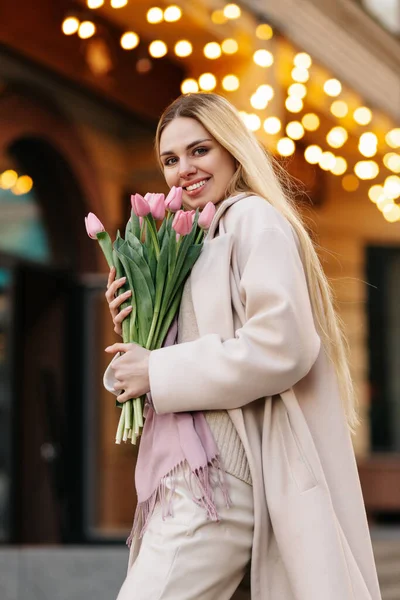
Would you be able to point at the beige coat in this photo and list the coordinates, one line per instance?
(259, 356)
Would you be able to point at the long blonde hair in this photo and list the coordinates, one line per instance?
(255, 173)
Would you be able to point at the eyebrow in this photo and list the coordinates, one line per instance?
(188, 146)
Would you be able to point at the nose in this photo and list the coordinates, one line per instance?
(186, 169)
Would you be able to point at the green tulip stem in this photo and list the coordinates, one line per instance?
(199, 236)
(120, 429)
(151, 228)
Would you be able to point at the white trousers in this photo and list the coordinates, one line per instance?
(187, 556)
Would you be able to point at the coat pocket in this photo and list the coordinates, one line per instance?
(299, 464)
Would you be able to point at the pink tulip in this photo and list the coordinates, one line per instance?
(140, 206)
(156, 202)
(173, 201)
(207, 215)
(182, 222)
(93, 226)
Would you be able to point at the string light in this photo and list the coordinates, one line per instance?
(366, 169)
(295, 130)
(339, 108)
(94, 3)
(189, 86)
(300, 75)
(207, 82)
(218, 17)
(362, 115)
(86, 30)
(272, 125)
(118, 3)
(297, 89)
(391, 160)
(313, 154)
(230, 83)
(129, 40)
(8, 179)
(229, 46)
(183, 48)
(258, 101)
(368, 144)
(252, 121)
(264, 31)
(375, 192)
(286, 146)
(23, 185)
(212, 50)
(302, 60)
(350, 183)
(337, 136)
(155, 15)
(327, 161)
(172, 14)
(232, 11)
(391, 213)
(294, 104)
(392, 186)
(340, 166)
(158, 49)
(310, 121)
(393, 138)
(383, 201)
(70, 25)
(263, 58)
(332, 87)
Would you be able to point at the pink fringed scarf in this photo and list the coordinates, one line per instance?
(168, 443)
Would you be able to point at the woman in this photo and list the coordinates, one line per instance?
(262, 356)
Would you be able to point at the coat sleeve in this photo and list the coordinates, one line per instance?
(274, 349)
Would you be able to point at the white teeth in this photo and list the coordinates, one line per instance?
(196, 185)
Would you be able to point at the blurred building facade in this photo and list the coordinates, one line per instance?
(319, 83)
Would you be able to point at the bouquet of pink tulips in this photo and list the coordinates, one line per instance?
(156, 263)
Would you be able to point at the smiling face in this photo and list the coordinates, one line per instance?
(194, 160)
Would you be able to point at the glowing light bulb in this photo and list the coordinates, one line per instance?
(158, 49)
(339, 108)
(23, 185)
(155, 15)
(391, 161)
(332, 87)
(366, 169)
(218, 17)
(337, 136)
(300, 75)
(340, 166)
(263, 58)
(229, 46)
(118, 3)
(70, 25)
(310, 122)
(230, 83)
(95, 3)
(183, 48)
(375, 192)
(393, 138)
(272, 125)
(297, 89)
(232, 11)
(172, 14)
(8, 179)
(362, 115)
(259, 102)
(302, 60)
(207, 82)
(212, 50)
(327, 161)
(252, 121)
(264, 31)
(392, 186)
(129, 40)
(295, 130)
(391, 213)
(286, 146)
(350, 183)
(294, 104)
(313, 154)
(189, 86)
(86, 30)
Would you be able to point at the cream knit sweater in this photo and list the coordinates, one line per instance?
(231, 449)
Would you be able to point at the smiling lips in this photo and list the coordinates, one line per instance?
(195, 186)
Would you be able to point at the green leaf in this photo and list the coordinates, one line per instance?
(161, 277)
(135, 255)
(106, 246)
(135, 243)
(168, 319)
(130, 319)
(135, 227)
(161, 231)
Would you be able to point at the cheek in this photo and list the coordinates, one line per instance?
(170, 176)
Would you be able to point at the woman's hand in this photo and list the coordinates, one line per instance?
(115, 302)
(131, 370)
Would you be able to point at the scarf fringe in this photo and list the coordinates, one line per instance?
(201, 483)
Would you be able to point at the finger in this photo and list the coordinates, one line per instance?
(120, 299)
(112, 290)
(124, 397)
(111, 276)
(122, 315)
(118, 347)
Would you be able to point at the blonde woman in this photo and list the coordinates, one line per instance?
(259, 378)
